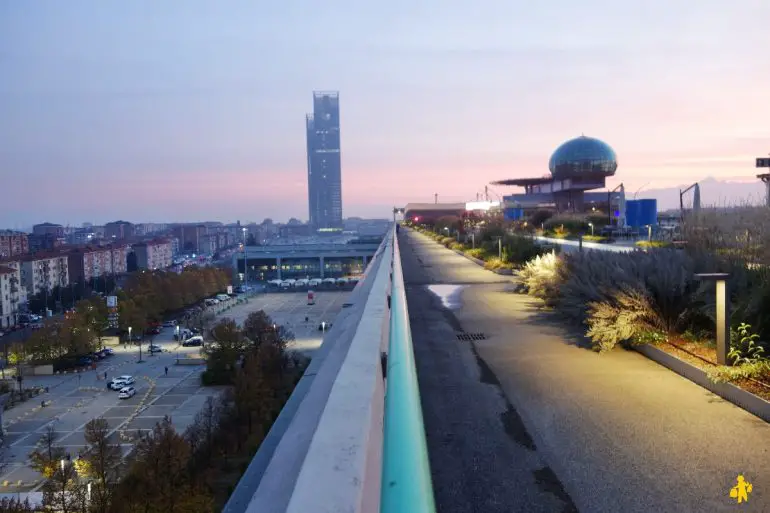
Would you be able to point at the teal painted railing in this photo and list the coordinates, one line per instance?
(406, 479)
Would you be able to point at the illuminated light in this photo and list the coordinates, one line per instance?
(482, 205)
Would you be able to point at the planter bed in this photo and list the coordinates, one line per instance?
(748, 395)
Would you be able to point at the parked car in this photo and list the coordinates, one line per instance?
(121, 382)
(193, 341)
(84, 361)
(152, 348)
(169, 324)
(126, 392)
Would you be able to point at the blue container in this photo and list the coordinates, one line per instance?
(648, 212)
(632, 213)
(513, 214)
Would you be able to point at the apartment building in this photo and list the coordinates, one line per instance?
(13, 243)
(190, 237)
(154, 254)
(52, 229)
(44, 271)
(119, 230)
(13, 297)
(208, 244)
(119, 258)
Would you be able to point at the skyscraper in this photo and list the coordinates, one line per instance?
(324, 173)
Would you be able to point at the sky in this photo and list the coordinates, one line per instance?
(186, 110)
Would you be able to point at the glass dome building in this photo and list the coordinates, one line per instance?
(583, 157)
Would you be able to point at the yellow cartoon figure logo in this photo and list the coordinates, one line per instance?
(741, 491)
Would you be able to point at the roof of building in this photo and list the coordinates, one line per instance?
(434, 206)
(523, 182)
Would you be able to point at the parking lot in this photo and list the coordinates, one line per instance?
(289, 310)
(74, 399)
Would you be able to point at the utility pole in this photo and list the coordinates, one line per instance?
(435, 198)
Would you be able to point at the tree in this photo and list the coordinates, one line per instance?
(47, 459)
(63, 491)
(93, 313)
(13, 505)
(103, 463)
(228, 346)
(201, 433)
(161, 470)
(447, 224)
(255, 399)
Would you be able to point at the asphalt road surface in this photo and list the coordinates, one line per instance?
(527, 419)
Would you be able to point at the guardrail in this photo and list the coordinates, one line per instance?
(342, 442)
(406, 478)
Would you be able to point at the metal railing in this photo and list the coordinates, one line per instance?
(406, 478)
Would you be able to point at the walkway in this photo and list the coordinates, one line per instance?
(528, 420)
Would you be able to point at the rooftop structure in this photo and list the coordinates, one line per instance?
(576, 167)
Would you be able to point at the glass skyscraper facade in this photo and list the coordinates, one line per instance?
(324, 170)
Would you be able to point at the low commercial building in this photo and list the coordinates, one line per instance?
(264, 263)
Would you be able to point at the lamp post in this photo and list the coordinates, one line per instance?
(723, 314)
(176, 332)
(591, 225)
(473, 240)
(129, 335)
(323, 328)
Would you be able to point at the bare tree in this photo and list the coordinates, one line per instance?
(46, 459)
(103, 460)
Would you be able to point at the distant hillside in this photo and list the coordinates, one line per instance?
(712, 193)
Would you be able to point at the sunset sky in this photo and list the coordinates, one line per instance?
(194, 110)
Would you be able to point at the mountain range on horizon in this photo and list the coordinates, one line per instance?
(713, 193)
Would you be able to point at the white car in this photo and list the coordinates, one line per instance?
(121, 382)
(126, 392)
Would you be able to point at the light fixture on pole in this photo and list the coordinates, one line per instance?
(591, 225)
(723, 314)
(323, 327)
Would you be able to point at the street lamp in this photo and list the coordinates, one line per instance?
(323, 327)
(649, 233)
(129, 334)
(176, 330)
(723, 314)
(592, 228)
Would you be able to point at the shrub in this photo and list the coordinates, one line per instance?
(625, 317)
(519, 249)
(567, 224)
(446, 241)
(539, 217)
(744, 349)
(456, 246)
(495, 263)
(541, 276)
(755, 370)
(653, 244)
(476, 253)
(618, 295)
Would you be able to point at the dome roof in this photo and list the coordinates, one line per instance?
(583, 156)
